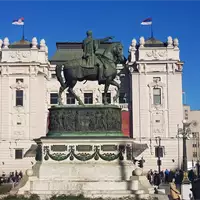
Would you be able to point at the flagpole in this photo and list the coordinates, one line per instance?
(23, 32)
(152, 30)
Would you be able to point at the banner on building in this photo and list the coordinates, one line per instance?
(125, 123)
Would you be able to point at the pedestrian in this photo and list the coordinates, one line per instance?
(178, 180)
(175, 194)
(166, 176)
(196, 189)
(156, 179)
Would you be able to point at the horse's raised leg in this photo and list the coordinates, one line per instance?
(114, 83)
(70, 90)
(107, 83)
(60, 94)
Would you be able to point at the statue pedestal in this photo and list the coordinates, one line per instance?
(84, 153)
(85, 166)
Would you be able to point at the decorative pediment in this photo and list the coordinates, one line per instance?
(156, 84)
(19, 85)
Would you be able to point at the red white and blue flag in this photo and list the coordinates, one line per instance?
(147, 21)
(19, 21)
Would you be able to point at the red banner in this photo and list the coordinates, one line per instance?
(125, 123)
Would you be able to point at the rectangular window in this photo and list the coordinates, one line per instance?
(18, 153)
(194, 145)
(194, 134)
(156, 79)
(194, 154)
(122, 98)
(19, 97)
(156, 96)
(108, 97)
(19, 79)
(88, 98)
(53, 75)
(53, 98)
(70, 98)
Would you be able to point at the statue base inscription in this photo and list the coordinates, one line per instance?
(89, 120)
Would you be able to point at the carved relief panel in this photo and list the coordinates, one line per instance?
(19, 56)
(158, 123)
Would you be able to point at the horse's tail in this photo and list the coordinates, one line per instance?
(59, 75)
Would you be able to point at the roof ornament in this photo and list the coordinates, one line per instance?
(42, 45)
(34, 43)
(169, 41)
(133, 45)
(1, 43)
(6, 43)
(176, 43)
(142, 41)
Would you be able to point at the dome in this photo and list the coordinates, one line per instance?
(20, 44)
(153, 42)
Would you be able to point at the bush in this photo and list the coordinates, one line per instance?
(15, 197)
(55, 197)
(70, 197)
(5, 188)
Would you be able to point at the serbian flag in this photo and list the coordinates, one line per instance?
(147, 21)
(19, 21)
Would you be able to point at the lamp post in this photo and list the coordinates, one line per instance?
(159, 153)
(185, 133)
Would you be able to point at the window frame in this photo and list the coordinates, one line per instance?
(157, 95)
(22, 154)
(124, 100)
(110, 97)
(156, 79)
(70, 98)
(19, 99)
(52, 98)
(19, 80)
(88, 99)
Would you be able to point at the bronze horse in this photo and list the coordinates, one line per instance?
(74, 71)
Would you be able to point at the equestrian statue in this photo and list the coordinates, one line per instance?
(93, 66)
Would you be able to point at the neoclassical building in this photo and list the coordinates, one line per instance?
(156, 99)
(28, 87)
(150, 94)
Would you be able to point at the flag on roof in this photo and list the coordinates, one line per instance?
(147, 21)
(19, 21)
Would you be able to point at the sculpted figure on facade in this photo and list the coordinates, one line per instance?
(176, 43)
(169, 41)
(34, 43)
(142, 41)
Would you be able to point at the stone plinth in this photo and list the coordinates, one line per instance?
(81, 166)
(90, 120)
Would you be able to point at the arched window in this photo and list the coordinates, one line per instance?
(156, 96)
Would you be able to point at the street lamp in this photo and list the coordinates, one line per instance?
(186, 134)
(159, 152)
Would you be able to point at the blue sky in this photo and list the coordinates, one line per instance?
(57, 21)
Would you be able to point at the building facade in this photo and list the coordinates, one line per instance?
(23, 108)
(28, 87)
(156, 80)
(193, 143)
(151, 92)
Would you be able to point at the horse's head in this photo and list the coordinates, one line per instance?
(118, 55)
